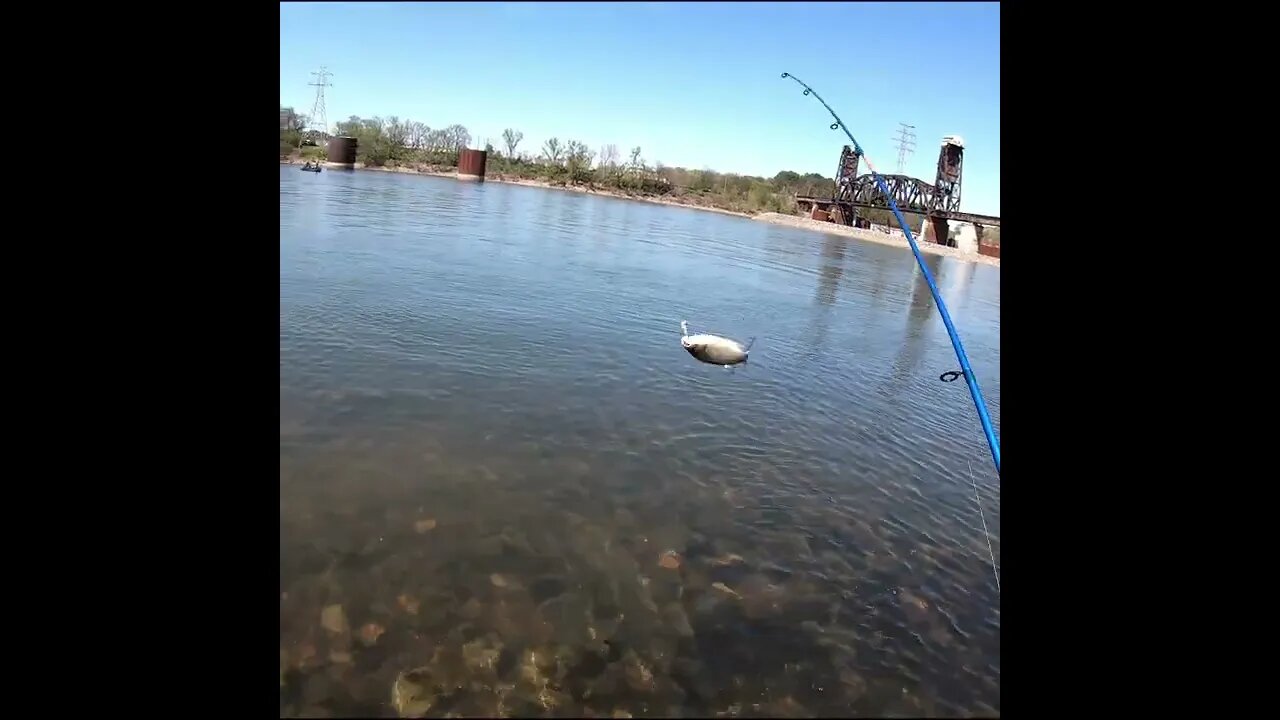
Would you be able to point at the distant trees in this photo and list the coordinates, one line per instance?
(392, 140)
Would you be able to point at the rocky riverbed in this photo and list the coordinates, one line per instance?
(511, 604)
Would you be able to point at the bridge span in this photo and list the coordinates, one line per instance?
(939, 201)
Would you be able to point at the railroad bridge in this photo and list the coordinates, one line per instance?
(938, 202)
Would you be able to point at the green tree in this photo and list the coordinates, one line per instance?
(553, 151)
(578, 162)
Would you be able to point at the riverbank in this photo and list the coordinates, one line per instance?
(805, 223)
(795, 221)
(499, 177)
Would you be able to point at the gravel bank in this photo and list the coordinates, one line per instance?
(872, 236)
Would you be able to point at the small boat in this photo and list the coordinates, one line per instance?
(309, 168)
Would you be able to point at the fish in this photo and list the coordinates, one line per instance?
(714, 349)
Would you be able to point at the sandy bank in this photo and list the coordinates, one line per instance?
(805, 223)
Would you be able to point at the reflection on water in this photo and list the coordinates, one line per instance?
(506, 491)
(832, 268)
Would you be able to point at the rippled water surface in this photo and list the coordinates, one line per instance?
(506, 490)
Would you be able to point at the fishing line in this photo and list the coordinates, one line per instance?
(965, 370)
(977, 498)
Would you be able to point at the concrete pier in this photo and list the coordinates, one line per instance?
(967, 237)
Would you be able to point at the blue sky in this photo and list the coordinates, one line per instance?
(693, 84)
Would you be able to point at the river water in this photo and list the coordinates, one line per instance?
(505, 489)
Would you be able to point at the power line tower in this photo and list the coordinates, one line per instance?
(906, 144)
(319, 119)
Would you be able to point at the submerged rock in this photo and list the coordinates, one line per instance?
(726, 560)
(673, 615)
(408, 603)
(471, 609)
(413, 693)
(334, 619)
(370, 633)
(726, 590)
(638, 675)
(481, 655)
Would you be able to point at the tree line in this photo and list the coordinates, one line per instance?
(392, 142)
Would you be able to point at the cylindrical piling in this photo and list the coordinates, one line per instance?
(471, 165)
(342, 152)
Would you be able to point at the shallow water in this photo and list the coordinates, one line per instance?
(506, 490)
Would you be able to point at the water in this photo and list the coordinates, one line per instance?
(503, 482)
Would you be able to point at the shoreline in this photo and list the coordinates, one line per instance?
(872, 236)
(794, 221)
(498, 177)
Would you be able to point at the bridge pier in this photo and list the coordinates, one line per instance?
(935, 229)
(967, 238)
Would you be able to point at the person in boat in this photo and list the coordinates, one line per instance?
(307, 166)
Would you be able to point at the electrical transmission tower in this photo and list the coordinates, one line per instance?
(319, 119)
(906, 144)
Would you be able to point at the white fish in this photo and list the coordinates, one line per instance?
(713, 349)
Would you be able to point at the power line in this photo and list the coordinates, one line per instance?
(319, 118)
(906, 144)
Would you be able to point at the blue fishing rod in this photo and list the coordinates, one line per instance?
(965, 369)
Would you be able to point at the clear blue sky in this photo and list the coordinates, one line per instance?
(693, 84)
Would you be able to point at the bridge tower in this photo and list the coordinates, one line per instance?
(946, 185)
(846, 173)
(946, 190)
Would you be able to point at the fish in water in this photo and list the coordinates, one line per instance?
(713, 349)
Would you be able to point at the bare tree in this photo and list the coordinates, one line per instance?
(636, 164)
(418, 135)
(552, 150)
(608, 156)
(457, 137)
(512, 138)
(397, 134)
